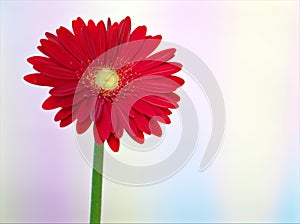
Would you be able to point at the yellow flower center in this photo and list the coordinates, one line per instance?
(107, 79)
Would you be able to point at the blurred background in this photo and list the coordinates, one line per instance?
(252, 48)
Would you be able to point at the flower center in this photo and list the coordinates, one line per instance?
(107, 79)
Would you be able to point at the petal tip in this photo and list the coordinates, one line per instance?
(27, 78)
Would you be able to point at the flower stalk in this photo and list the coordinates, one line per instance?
(97, 178)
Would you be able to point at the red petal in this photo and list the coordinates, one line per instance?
(149, 45)
(52, 37)
(139, 33)
(164, 69)
(176, 79)
(40, 60)
(77, 26)
(84, 109)
(152, 111)
(125, 27)
(114, 143)
(111, 44)
(135, 132)
(104, 124)
(165, 111)
(56, 101)
(81, 127)
(120, 118)
(42, 80)
(63, 113)
(60, 55)
(68, 88)
(108, 23)
(155, 128)
(102, 37)
(95, 37)
(112, 36)
(65, 122)
(97, 137)
(97, 109)
(136, 40)
(117, 126)
(68, 40)
(53, 102)
(87, 42)
(50, 68)
(155, 85)
(117, 121)
(173, 96)
(141, 122)
(163, 119)
(170, 97)
(154, 60)
(163, 56)
(159, 101)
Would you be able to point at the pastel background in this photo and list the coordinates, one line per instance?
(252, 48)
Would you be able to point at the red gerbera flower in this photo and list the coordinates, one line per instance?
(105, 76)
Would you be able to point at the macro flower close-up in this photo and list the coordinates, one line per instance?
(107, 76)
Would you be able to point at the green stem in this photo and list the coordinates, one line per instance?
(96, 195)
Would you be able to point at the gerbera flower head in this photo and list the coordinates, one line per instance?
(109, 77)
